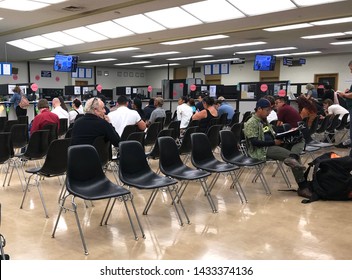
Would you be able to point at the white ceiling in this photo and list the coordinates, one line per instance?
(18, 25)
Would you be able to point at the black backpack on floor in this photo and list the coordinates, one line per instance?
(331, 178)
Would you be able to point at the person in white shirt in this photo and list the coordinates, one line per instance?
(273, 115)
(77, 109)
(124, 116)
(58, 110)
(184, 112)
(334, 109)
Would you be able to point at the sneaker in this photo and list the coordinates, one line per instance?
(294, 164)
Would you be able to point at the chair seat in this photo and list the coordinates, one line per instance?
(185, 173)
(101, 189)
(243, 160)
(216, 166)
(148, 180)
(46, 173)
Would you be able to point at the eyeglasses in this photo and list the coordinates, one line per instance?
(92, 105)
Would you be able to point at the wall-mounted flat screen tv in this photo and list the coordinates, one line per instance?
(65, 63)
(264, 62)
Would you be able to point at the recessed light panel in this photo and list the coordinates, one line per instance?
(304, 3)
(139, 24)
(85, 34)
(24, 45)
(43, 42)
(110, 29)
(62, 38)
(255, 7)
(22, 5)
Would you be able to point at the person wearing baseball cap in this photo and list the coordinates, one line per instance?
(263, 145)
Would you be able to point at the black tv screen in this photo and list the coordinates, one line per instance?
(264, 62)
(65, 63)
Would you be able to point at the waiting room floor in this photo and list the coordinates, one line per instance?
(276, 227)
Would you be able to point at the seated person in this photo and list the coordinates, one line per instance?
(263, 145)
(44, 117)
(224, 107)
(159, 112)
(206, 115)
(94, 124)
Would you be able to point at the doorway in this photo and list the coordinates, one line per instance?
(330, 79)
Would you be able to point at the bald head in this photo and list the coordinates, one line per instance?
(56, 102)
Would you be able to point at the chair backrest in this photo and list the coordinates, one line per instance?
(9, 124)
(169, 156)
(186, 145)
(152, 133)
(314, 126)
(213, 135)
(229, 144)
(175, 125)
(6, 150)
(161, 120)
(104, 149)
(19, 135)
(38, 144)
(137, 136)
(23, 119)
(2, 123)
(56, 158)
(235, 118)
(246, 116)
(53, 133)
(223, 119)
(237, 130)
(128, 130)
(193, 123)
(83, 166)
(343, 122)
(63, 127)
(168, 118)
(132, 161)
(201, 149)
(333, 123)
(155, 152)
(324, 124)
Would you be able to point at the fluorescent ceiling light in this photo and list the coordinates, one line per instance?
(327, 35)
(217, 60)
(190, 57)
(139, 24)
(110, 29)
(155, 54)
(50, 1)
(332, 21)
(27, 46)
(192, 40)
(248, 52)
(213, 11)
(288, 27)
(98, 60)
(304, 3)
(22, 5)
(173, 18)
(115, 50)
(298, 53)
(132, 63)
(267, 50)
(235, 45)
(348, 32)
(161, 65)
(43, 42)
(342, 43)
(47, 58)
(85, 34)
(62, 38)
(255, 7)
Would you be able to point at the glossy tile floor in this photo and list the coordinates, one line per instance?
(276, 227)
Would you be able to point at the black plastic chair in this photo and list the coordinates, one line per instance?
(9, 124)
(19, 135)
(342, 126)
(3, 120)
(193, 123)
(230, 153)
(135, 172)
(223, 120)
(155, 152)
(6, 151)
(175, 125)
(23, 119)
(246, 116)
(186, 145)
(128, 130)
(213, 135)
(85, 179)
(137, 136)
(104, 150)
(53, 132)
(203, 158)
(63, 127)
(171, 165)
(161, 120)
(168, 118)
(235, 118)
(55, 165)
(151, 134)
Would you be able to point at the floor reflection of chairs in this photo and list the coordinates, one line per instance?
(85, 179)
(171, 165)
(203, 158)
(55, 165)
(135, 172)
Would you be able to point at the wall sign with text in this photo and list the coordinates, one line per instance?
(216, 69)
(5, 69)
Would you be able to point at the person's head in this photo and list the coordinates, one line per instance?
(208, 101)
(303, 102)
(62, 103)
(151, 101)
(158, 102)
(56, 102)
(262, 108)
(43, 104)
(201, 96)
(191, 102)
(182, 99)
(350, 65)
(327, 103)
(279, 102)
(16, 89)
(122, 100)
(137, 103)
(76, 103)
(96, 107)
(309, 86)
(271, 100)
(221, 98)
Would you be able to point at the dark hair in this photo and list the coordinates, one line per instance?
(270, 98)
(137, 102)
(122, 99)
(151, 101)
(62, 103)
(77, 102)
(43, 103)
(208, 100)
(191, 102)
(184, 99)
(303, 102)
